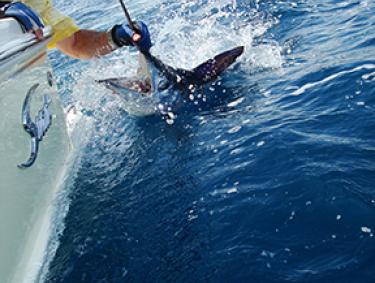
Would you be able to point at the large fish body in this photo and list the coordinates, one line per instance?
(159, 88)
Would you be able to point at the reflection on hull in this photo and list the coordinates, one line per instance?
(36, 129)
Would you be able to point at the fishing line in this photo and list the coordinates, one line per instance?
(128, 18)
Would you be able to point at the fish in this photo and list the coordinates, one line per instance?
(158, 87)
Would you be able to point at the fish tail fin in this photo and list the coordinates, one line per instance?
(212, 68)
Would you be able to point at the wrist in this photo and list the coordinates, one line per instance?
(118, 36)
(110, 40)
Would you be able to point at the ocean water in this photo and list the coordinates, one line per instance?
(272, 180)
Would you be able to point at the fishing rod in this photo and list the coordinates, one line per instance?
(165, 69)
(133, 26)
(128, 18)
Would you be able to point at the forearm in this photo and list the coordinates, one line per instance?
(86, 44)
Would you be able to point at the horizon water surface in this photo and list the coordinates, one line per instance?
(272, 181)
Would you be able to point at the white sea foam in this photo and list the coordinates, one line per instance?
(54, 221)
(308, 86)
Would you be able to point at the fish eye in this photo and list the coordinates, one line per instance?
(163, 85)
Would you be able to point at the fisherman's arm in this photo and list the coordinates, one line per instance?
(86, 44)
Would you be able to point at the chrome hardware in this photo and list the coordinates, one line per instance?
(37, 129)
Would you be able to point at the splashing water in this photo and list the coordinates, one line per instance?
(184, 41)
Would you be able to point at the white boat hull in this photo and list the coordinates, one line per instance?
(27, 195)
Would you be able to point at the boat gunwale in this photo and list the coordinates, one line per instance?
(23, 45)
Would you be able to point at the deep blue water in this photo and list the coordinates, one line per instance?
(272, 182)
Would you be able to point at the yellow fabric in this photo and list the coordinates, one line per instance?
(62, 25)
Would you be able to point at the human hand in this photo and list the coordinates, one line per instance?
(123, 35)
(28, 19)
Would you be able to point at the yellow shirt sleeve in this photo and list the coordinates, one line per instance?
(62, 25)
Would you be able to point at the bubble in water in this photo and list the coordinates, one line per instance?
(366, 230)
(261, 143)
